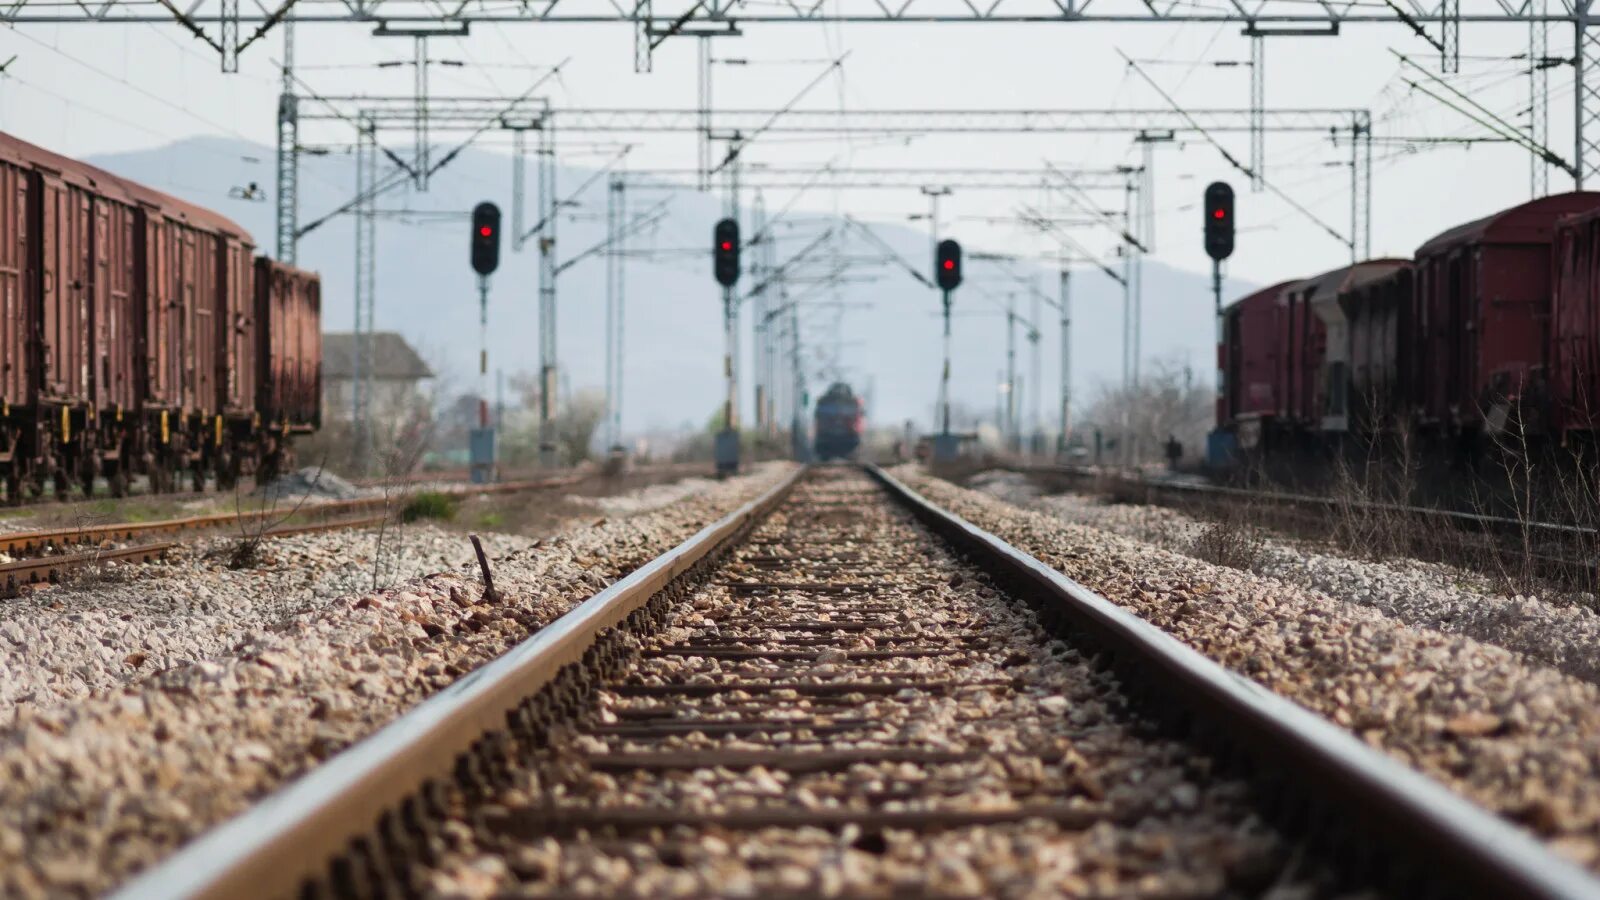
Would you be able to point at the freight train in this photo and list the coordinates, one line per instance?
(838, 423)
(1487, 340)
(140, 335)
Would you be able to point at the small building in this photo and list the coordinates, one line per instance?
(397, 374)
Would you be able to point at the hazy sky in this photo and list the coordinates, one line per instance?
(85, 89)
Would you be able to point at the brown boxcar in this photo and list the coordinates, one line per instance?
(1252, 360)
(130, 332)
(1303, 343)
(1322, 400)
(1574, 346)
(71, 229)
(199, 309)
(1383, 352)
(1482, 298)
(17, 277)
(289, 370)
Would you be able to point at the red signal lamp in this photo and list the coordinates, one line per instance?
(1219, 214)
(949, 264)
(485, 231)
(727, 245)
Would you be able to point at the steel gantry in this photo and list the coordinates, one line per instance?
(230, 27)
(1148, 125)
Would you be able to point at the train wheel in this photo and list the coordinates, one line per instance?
(118, 480)
(197, 478)
(13, 489)
(63, 486)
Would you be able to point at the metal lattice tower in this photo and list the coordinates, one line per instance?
(548, 366)
(616, 263)
(1538, 99)
(365, 289)
(1587, 96)
(1258, 105)
(287, 196)
(421, 88)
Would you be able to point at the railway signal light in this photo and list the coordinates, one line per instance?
(947, 265)
(1219, 220)
(485, 238)
(725, 252)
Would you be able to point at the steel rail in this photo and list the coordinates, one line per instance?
(293, 834)
(1284, 498)
(49, 569)
(271, 849)
(1468, 846)
(38, 540)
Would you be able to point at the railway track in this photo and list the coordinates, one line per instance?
(841, 688)
(1561, 553)
(49, 554)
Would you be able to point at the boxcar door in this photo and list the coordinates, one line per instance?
(121, 276)
(17, 274)
(66, 274)
(236, 320)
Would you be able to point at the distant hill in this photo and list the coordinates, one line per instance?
(426, 291)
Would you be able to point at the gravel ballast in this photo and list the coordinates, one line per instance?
(1520, 739)
(784, 769)
(97, 789)
(1547, 631)
(109, 626)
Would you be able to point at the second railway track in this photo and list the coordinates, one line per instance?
(844, 690)
(50, 553)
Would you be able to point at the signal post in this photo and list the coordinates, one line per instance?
(485, 259)
(725, 266)
(947, 274)
(1219, 246)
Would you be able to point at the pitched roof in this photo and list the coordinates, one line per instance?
(390, 356)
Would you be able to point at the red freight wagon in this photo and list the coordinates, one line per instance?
(17, 277)
(197, 340)
(71, 230)
(1323, 398)
(289, 370)
(1304, 342)
(1383, 352)
(1252, 361)
(130, 338)
(1574, 346)
(1482, 314)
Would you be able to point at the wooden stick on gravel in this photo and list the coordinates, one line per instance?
(490, 595)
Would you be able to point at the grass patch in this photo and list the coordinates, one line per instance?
(491, 520)
(429, 505)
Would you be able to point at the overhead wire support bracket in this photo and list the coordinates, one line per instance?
(1484, 116)
(1349, 241)
(873, 238)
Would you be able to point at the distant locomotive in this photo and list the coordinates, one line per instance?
(838, 423)
(140, 336)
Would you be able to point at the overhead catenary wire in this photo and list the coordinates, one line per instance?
(391, 181)
(1495, 123)
(738, 144)
(1235, 163)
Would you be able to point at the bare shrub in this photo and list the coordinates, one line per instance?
(1230, 542)
(244, 551)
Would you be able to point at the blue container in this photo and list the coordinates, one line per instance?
(1222, 448)
(480, 452)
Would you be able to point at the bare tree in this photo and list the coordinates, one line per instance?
(1168, 403)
